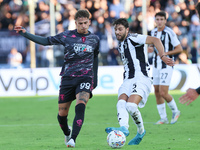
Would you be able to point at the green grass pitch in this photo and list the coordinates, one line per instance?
(30, 123)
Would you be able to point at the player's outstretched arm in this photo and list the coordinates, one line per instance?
(159, 46)
(35, 38)
(189, 96)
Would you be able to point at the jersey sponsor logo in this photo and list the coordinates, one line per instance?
(124, 59)
(82, 48)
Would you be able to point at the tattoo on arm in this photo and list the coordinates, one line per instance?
(84, 96)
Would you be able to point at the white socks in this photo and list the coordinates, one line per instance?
(132, 108)
(162, 110)
(122, 114)
(172, 105)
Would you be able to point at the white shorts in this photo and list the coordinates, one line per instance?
(162, 76)
(136, 86)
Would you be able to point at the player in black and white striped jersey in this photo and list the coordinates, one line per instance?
(161, 72)
(136, 85)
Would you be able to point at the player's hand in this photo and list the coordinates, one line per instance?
(190, 96)
(19, 28)
(150, 49)
(167, 60)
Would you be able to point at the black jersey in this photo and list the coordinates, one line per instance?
(80, 51)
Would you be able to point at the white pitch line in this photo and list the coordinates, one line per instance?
(18, 125)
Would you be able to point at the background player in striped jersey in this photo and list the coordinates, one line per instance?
(79, 71)
(162, 73)
(136, 85)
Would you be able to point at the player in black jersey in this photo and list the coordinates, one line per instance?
(79, 71)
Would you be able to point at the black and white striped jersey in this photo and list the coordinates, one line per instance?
(134, 56)
(169, 40)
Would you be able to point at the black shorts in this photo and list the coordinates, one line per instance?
(70, 86)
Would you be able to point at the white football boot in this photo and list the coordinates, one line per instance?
(70, 143)
(67, 138)
(175, 117)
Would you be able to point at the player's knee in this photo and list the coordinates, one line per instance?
(163, 93)
(83, 97)
(62, 111)
(132, 108)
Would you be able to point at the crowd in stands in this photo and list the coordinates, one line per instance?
(182, 18)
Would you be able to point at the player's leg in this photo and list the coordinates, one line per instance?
(160, 102)
(81, 101)
(140, 90)
(165, 79)
(132, 108)
(83, 94)
(64, 103)
(170, 102)
(62, 119)
(160, 106)
(122, 115)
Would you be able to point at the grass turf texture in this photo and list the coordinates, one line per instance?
(30, 123)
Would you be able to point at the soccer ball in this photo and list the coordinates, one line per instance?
(116, 139)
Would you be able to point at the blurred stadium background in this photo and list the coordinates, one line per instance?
(50, 17)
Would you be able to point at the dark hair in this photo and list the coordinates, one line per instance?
(161, 13)
(121, 21)
(82, 13)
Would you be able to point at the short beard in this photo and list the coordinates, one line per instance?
(122, 37)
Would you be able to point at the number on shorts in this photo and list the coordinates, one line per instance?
(134, 88)
(164, 75)
(85, 85)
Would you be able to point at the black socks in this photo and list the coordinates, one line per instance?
(77, 124)
(78, 120)
(63, 124)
